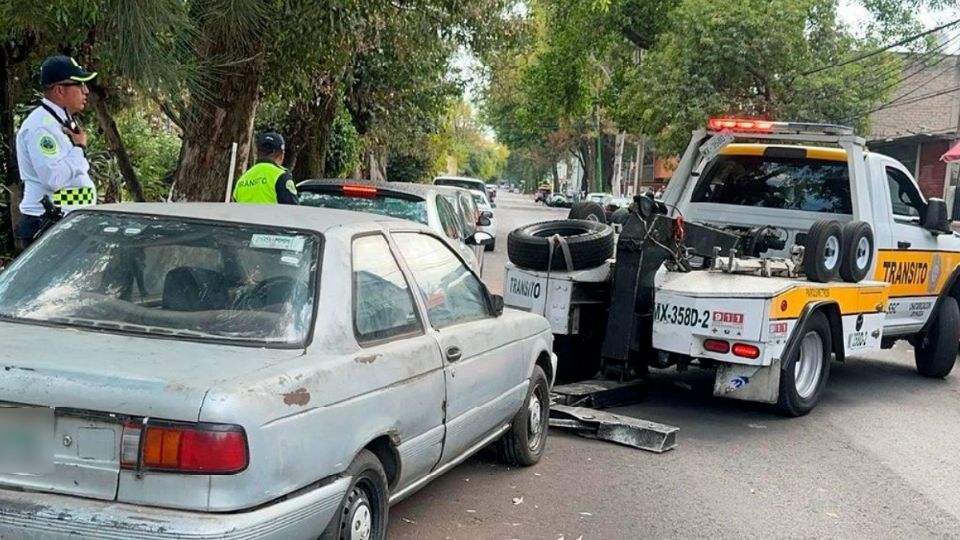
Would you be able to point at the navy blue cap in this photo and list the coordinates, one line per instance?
(270, 143)
(59, 68)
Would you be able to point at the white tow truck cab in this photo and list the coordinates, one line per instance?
(777, 246)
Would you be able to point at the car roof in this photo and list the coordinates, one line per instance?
(408, 188)
(270, 215)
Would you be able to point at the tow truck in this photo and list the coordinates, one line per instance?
(777, 246)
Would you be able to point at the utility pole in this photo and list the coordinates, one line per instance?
(596, 114)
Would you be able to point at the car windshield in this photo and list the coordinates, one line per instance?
(479, 198)
(774, 182)
(169, 277)
(409, 209)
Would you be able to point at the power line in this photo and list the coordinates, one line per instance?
(881, 50)
(893, 104)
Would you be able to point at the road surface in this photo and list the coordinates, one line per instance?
(878, 458)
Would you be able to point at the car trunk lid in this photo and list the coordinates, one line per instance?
(94, 382)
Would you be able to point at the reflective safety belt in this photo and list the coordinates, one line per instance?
(81, 196)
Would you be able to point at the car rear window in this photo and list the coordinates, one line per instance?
(460, 183)
(169, 277)
(411, 209)
(809, 185)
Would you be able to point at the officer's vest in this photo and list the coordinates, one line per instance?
(259, 184)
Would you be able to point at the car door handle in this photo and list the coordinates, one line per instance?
(454, 354)
(903, 245)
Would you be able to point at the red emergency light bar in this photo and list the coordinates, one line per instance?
(741, 125)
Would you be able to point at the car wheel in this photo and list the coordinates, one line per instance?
(858, 248)
(823, 253)
(524, 443)
(588, 210)
(936, 352)
(363, 513)
(805, 376)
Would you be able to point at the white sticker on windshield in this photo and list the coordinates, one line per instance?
(276, 241)
(111, 230)
(132, 231)
(290, 260)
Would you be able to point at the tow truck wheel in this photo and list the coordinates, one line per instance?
(823, 253)
(857, 248)
(587, 210)
(804, 377)
(936, 352)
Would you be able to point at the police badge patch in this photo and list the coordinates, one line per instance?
(48, 145)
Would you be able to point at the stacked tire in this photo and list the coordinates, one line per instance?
(833, 250)
(539, 246)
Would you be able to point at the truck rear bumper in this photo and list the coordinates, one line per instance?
(29, 516)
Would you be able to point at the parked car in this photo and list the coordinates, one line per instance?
(492, 195)
(448, 211)
(487, 222)
(460, 182)
(251, 371)
(600, 198)
(558, 200)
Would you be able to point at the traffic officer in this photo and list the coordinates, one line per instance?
(51, 147)
(267, 182)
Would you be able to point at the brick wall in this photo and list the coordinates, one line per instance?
(931, 171)
(905, 115)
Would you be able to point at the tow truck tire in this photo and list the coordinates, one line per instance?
(823, 253)
(857, 249)
(805, 376)
(936, 352)
(523, 444)
(587, 210)
(590, 244)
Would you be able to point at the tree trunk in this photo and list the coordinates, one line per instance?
(589, 161)
(616, 184)
(608, 147)
(212, 125)
(556, 177)
(115, 142)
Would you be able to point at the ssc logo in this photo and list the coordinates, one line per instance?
(48, 145)
(935, 270)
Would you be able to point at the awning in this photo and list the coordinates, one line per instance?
(952, 155)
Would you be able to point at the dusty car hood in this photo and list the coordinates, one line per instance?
(131, 375)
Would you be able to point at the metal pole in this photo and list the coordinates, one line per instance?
(230, 173)
(599, 150)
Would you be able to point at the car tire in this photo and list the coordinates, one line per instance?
(823, 251)
(366, 502)
(523, 444)
(936, 352)
(576, 359)
(590, 244)
(858, 249)
(491, 246)
(805, 375)
(589, 211)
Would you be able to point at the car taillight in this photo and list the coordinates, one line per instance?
(184, 448)
(360, 191)
(746, 351)
(717, 346)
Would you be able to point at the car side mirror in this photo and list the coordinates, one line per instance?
(497, 302)
(936, 218)
(487, 214)
(484, 221)
(479, 238)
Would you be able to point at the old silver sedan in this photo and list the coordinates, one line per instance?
(229, 371)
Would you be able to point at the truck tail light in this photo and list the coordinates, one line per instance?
(746, 351)
(184, 448)
(717, 346)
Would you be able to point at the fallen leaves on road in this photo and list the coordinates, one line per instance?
(410, 521)
(518, 500)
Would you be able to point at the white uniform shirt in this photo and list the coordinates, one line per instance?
(48, 160)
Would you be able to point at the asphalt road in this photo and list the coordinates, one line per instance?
(878, 458)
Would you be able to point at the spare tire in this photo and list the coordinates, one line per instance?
(588, 210)
(590, 244)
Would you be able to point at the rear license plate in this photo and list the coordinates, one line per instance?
(26, 440)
